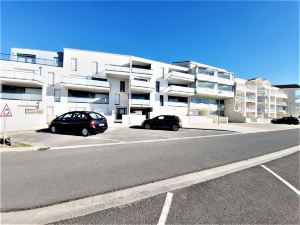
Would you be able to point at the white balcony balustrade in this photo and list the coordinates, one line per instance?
(117, 68)
(21, 77)
(177, 104)
(180, 91)
(141, 86)
(89, 100)
(142, 71)
(145, 102)
(179, 77)
(21, 96)
(85, 84)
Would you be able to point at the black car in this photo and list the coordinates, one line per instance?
(163, 121)
(79, 121)
(286, 120)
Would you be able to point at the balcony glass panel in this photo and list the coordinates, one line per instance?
(140, 102)
(141, 71)
(21, 75)
(117, 68)
(206, 72)
(23, 97)
(103, 100)
(85, 82)
(224, 76)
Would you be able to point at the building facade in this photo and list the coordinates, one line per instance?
(39, 85)
(293, 93)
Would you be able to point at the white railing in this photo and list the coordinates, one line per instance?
(250, 88)
(22, 97)
(281, 95)
(281, 103)
(179, 75)
(140, 101)
(241, 98)
(181, 89)
(89, 100)
(281, 111)
(117, 68)
(143, 84)
(262, 110)
(250, 109)
(20, 75)
(177, 104)
(141, 71)
(85, 82)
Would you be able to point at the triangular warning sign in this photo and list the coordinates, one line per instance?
(5, 112)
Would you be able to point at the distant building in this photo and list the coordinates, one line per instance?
(293, 92)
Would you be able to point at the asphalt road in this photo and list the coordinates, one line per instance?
(252, 196)
(34, 179)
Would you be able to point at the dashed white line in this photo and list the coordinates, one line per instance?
(165, 211)
(282, 180)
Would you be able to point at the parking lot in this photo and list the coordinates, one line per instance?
(112, 135)
(251, 196)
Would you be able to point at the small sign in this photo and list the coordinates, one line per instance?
(6, 112)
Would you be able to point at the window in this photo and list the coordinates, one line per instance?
(73, 64)
(50, 78)
(96, 116)
(122, 86)
(157, 86)
(161, 100)
(56, 95)
(95, 67)
(66, 117)
(27, 58)
(117, 99)
(79, 116)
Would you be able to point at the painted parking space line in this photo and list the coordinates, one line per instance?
(282, 180)
(165, 211)
(143, 141)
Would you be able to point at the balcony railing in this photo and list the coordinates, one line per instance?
(250, 88)
(176, 88)
(177, 104)
(117, 68)
(261, 110)
(250, 99)
(206, 72)
(89, 100)
(250, 109)
(141, 71)
(24, 59)
(85, 82)
(140, 101)
(281, 103)
(281, 95)
(281, 111)
(20, 75)
(22, 97)
(179, 75)
(240, 98)
(142, 84)
(225, 76)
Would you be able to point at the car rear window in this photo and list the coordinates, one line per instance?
(96, 116)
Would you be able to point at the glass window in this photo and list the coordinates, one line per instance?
(67, 117)
(96, 115)
(57, 95)
(157, 86)
(122, 86)
(204, 84)
(117, 99)
(73, 64)
(161, 100)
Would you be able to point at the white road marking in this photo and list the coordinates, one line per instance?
(108, 139)
(142, 141)
(165, 211)
(282, 180)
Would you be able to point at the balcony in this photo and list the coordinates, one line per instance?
(181, 78)
(140, 102)
(124, 71)
(212, 92)
(23, 59)
(240, 98)
(262, 110)
(89, 100)
(250, 88)
(141, 71)
(282, 103)
(180, 91)
(262, 101)
(177, 104)
(281, 95)
(21, 77)
(250, 99)
(250, 109)
(85, 84)
(212, 78)
(141, 86)
(281, 111)
(21, 97)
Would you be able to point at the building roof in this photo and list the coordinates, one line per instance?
(287, 86)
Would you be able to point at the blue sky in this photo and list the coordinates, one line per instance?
(248, 38)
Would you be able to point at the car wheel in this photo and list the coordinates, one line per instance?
(147, 126)
(175, 127)
(53, 129)
(85, 132)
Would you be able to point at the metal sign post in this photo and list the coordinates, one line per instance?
(5, 113)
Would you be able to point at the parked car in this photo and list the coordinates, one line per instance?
(163, 121)
(79, 121)
(286, 120)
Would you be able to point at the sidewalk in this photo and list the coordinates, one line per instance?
(242, 127)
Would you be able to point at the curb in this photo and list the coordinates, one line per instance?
(25, 149)
(81, 207)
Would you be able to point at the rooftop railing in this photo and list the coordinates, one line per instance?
(32, 60)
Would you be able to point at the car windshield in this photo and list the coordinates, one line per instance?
(96, 116)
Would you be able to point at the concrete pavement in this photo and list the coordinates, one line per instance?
(58, 176)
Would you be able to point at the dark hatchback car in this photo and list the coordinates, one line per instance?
(82, 122)
(286, 120)
(164, 122)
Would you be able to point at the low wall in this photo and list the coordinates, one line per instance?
(195, 120)
(133, 119)
(221, 119)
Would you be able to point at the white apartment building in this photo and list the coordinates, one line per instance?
(256, 101)
(293, 93)
(39, 85)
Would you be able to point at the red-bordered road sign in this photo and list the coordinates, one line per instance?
(6, 112)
